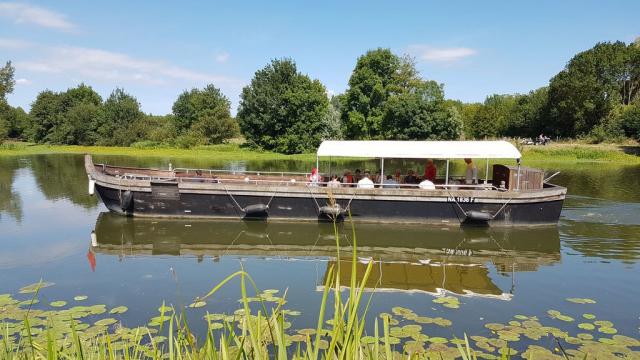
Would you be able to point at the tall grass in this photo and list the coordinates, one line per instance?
(252, 334)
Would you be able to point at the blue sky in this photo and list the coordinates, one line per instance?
(157, 49)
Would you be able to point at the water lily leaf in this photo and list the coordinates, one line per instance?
(424, 320)
(438, 340)
(419, 337)
(58, 303)
(35, 287)
(214, 317)
(586, 326)
(514, 323)
(306, 331)
(393, 340)
(80, 298)
(581, 301)
(607, 330)
(165, 309)
(584, 336)
(494, 326)
(399, 310)
(105, 322)
(588, 316)
(297, 338)
(413, 328)
(603, 323)
(442, 322)
(625, 340)
(119, 310)
(564, 318)
(215, 326)
(607, 341)
(368, 340)
(197, 304)
(292, 312)
(521, 317)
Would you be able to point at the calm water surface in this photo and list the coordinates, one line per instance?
(47, 221)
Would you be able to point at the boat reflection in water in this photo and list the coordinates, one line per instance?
(407, 258)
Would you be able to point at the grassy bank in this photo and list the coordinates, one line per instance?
(559, 152)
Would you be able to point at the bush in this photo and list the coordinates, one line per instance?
(630, 121)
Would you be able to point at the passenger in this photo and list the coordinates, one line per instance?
(471, 175)
(398, 176)
(358, 176)
(314, 178)
(427, 185)
(377, 178)
(389, 183)
(334, 183)
(199, 175)
(430, 171)
(347, 179)
(411, 178)
(365, 182)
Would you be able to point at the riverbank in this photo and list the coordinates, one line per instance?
(560, 152)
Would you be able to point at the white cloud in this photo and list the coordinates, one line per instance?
(13, 44)
(440, 55)
(22, 13)
(222, 57)
(23, 81)
(103, 65)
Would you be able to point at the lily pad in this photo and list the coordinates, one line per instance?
(119, 310)
(581, 300)
(586, 326)
(588, 316)
(35, 287)
(80, 298)
(106, 322)
(438, 340)
(59, 303)
(197, 304)
(608, 330)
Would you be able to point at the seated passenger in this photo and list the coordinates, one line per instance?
(347, 179)
(334, 183)
(389, 183)
(427, 185)
(430, 171)
(314, 178)
(398, 176)
(357, 176)
(411, 178)
(365, 182)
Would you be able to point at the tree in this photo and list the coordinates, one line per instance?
(630, 121)
(378, 75)
(283, 110)
(55, 117)
(119, 113)
(583, 94)
(492, 118)
(6, 80)
(420, 114)
(204, 114)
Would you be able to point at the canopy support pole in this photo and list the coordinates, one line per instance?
(518, 177)
(329, 168)
(318, 163)
(486, 173)
(446, 179)
(381, 171)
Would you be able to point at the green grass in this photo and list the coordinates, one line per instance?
(556, 153)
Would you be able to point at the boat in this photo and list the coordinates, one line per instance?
(512, 195)
(407, 259)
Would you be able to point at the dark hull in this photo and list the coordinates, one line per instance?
(222, 205)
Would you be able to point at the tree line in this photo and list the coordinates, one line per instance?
(596, 97)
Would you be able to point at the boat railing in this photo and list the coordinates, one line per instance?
(239, 172)
(294, 182)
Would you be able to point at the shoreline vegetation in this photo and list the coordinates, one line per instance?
(261, 328)
(620, 154)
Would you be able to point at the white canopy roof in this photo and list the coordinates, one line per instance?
(419, 149)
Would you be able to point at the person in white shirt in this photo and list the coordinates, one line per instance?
(314, 179)
(365, 182)
(334, 183)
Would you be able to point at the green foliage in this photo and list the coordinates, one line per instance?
(630, 121)
(70, 117)
(203, 116)
(378, 75)
(7, 80)
(119, 115)
(283, 110)
(420, 114)
(592, 84)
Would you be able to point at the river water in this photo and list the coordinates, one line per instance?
(47, 222)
